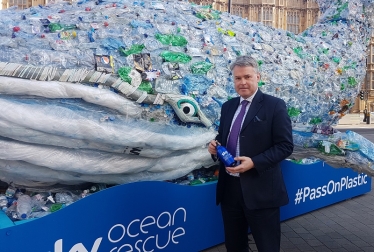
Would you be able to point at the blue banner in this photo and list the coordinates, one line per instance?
(155, 216)
(318, 185)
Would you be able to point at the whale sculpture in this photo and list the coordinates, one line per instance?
(123, 91)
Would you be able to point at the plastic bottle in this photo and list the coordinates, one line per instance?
(11, 212)
(66, 198)
(57, 27)
(225, 156)
(3, 202)
(10, 191)
(184, 182)
(97, 187)
(39, 201)
(170, 39)
(190, 176)
(39, 214)
(24, 206)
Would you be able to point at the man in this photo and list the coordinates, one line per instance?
(252, 192)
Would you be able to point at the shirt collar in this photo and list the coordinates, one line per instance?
(249, 99)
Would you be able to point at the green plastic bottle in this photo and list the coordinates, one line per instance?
(170, 39)
(169, 56)
(135, 49)
(57, 27)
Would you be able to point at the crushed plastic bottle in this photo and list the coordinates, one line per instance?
(11, 212)
(24, 206)
(65, 198)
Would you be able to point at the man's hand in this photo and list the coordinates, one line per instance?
(246, 164)
(212, 147)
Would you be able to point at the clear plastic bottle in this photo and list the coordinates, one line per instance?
(190, 176)
(3, 202)
(97, 187)
(10, 191)
(24, 206)
(65, 198)
(39, 214)
(11, 212)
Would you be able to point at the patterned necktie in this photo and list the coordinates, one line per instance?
(232, 142)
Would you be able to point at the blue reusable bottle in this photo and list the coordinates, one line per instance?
(225, 156)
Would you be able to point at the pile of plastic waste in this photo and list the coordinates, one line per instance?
(122, 91)
(24, 203)
(21, 204)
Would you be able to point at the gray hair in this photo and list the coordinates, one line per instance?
(244, 61)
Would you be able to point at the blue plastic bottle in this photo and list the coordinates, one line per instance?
(225, 156)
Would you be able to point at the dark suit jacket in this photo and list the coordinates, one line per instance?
(266, 137)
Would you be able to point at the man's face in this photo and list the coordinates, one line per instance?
(245, 80)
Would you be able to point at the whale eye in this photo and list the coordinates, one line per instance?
(188, 107)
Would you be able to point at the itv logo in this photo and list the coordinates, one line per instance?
(79, 247)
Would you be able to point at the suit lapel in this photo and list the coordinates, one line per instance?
(252, 111)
